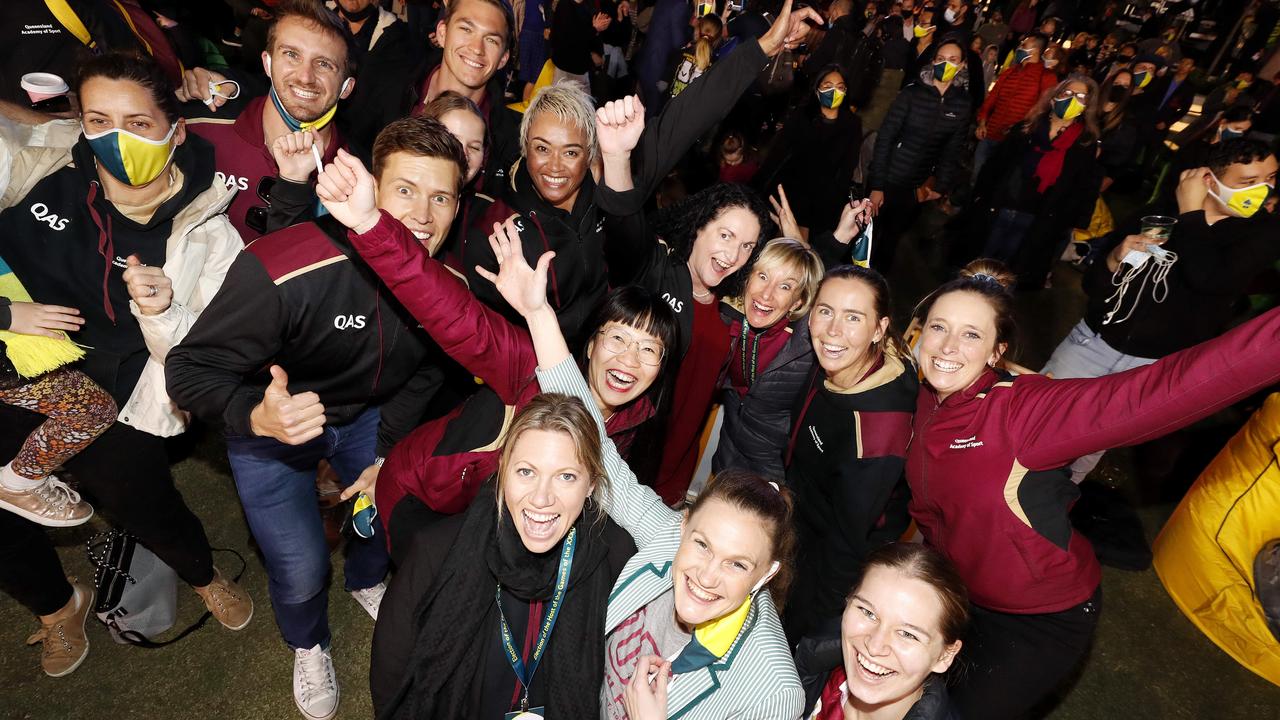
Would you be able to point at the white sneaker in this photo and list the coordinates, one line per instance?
(370, 598)
(315, 686)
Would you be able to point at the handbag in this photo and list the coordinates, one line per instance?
(137, 593)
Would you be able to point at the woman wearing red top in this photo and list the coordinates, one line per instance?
(445, 461)
(990, 482)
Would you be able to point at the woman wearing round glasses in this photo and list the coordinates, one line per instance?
(1041, 182)
(444, 462)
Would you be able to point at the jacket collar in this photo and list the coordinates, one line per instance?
(525, 196)
(889, 370)
(630, 416)
(976, 390)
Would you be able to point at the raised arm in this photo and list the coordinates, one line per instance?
(480, 339)
(1060, 420)
(636, 508)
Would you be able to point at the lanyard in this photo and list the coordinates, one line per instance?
(749, 371)
(525, 674)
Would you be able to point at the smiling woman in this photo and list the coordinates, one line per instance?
(448, 645)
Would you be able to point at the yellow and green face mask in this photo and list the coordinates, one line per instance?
(831, 98)
(922, 30)
(295, 124)
(945, 71)
(1241, 202)
(132, 159)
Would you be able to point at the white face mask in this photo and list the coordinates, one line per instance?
(1241, 202)
(949, 15)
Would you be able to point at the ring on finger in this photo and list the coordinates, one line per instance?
(153, 291)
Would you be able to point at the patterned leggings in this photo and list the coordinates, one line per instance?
(78, 411)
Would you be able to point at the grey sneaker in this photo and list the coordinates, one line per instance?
(370, 598)
(315, 685)
(65, 644)
(52, 504)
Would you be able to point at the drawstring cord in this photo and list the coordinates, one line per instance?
(106, 248)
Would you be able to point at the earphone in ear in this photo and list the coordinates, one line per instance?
(345, 84)
(267, 60)
(773, 570)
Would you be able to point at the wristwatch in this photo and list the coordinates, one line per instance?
(6, 313)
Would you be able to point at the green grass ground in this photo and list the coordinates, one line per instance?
(1148, 661)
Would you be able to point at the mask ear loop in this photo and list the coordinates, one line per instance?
(213, 91)
(773, 570)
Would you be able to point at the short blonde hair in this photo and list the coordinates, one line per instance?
(780, 252)
(556, 412)
(569, 103)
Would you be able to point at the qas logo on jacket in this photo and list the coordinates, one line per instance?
(40, 212)
(349, 322)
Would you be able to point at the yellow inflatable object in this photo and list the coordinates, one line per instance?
(545, 78)
(1204, 555)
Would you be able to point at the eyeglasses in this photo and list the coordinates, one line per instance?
(616, 343)
(1067, 94)
(256, 217)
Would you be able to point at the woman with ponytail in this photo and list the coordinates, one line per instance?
(991, 488)
(694, 59)
(692, 628)
(1040, 182)
(850, 428)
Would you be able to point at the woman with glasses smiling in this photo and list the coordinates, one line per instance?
(444, 462)
(1041, 182)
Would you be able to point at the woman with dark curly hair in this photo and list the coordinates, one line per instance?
(695, 251)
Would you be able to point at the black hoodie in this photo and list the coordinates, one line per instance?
(69, 245)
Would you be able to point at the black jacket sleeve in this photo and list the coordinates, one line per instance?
(886, 138)
(291, 203)
(404, 411)
(218, 372)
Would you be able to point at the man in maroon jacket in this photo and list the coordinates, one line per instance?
(308, 61)
(1016, 91)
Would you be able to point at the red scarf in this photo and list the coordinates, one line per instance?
(1054, 155)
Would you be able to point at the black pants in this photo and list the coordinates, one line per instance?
(896, 216)
(125, 474)
(1011, 663)
(29, 568)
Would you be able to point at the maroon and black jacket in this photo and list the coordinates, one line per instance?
(444, 462)
(242, 158)
(987, 465)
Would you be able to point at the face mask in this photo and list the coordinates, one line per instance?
(832, 98)
(945, 71)
(132, 159)
(1243, 202)
(1118, 93)
(1142, 79)
(1068, 108)
(1229, 134)
(295, 124)
(1050, 62)
(359, 15)
(1020, 56)
(949, 15)
(1243, 85)
(921, 30)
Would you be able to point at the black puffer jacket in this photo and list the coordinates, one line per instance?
(756, 427)
(818, 655)
(923, 134)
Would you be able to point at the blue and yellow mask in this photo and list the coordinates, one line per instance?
(1068, 108)
(831, 98)
(132, 159)
(945, 71)
(295, 124)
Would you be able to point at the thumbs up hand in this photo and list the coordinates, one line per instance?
(291, 419)
(148, 286)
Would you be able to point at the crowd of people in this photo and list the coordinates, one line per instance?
(494, 265)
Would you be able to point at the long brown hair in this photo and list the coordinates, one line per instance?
(1041, 109)
(923, 563)
(892, 339)
(1110, 120)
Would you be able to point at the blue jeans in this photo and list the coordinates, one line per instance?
(982, 153)
(277, 487)
(1007, 233)
(1084, 354)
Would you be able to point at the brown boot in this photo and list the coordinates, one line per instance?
(228, 602)
(65, 644)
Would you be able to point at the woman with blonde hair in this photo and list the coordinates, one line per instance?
(769, 358)
(534, 557)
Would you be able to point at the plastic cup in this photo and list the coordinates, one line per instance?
(42, 86)
(1158, 227)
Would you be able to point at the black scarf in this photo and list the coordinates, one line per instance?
(455, 618)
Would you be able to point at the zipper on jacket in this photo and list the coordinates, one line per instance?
(924, 433)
